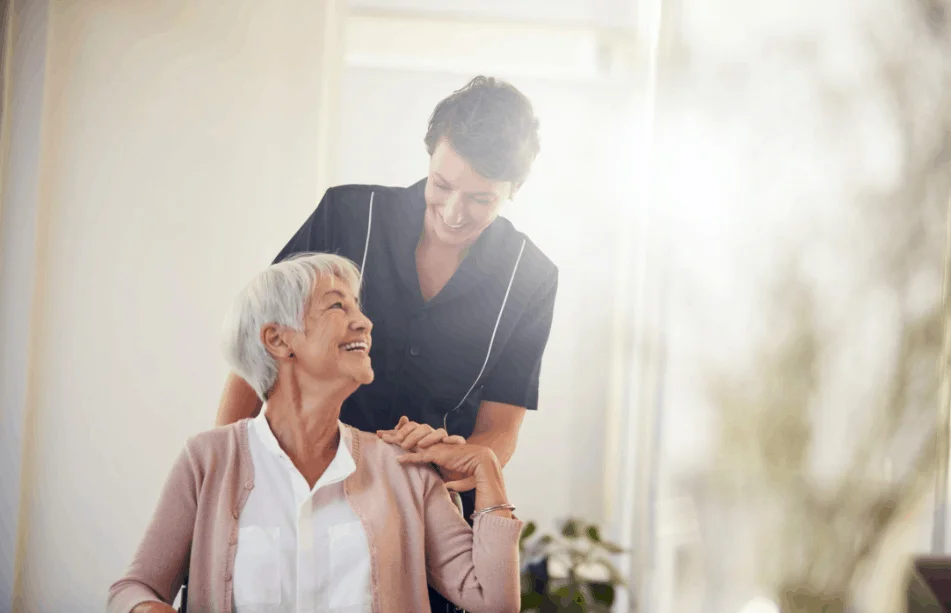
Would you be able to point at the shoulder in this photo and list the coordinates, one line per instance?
(380, 457)
(360, 194)
(538, 268)
(350, 204)
(208, 449)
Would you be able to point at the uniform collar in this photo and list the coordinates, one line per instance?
(488, 256)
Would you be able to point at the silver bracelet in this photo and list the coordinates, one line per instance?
(500, 507)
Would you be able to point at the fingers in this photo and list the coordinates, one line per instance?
(419, 457)
(438, 436)
(463, 485)
(397, 435)
(414, 436)
(419, 432)
(439, 454)
(394, 437)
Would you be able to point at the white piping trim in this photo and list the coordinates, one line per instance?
(366, 246)
(488, 353)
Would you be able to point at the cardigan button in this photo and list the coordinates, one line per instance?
(234, 513)
(232, 540)
(249, 485)
(228, 577)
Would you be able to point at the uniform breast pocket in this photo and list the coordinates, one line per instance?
(257, 567)
(349, 567)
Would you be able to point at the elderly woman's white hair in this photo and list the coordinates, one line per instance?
(279, 294)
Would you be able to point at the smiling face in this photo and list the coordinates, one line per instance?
(335, 341)
(460, 203)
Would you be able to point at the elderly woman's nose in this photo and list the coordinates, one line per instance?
(361, 322)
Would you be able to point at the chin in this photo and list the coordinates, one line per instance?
(453, 238)
(365, 377)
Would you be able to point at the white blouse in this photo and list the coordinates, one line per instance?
(300, 550)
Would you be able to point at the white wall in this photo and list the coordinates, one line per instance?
(795, 155)
(179, 151)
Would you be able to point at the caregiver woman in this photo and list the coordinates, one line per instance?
(461, 301)
(292, 510)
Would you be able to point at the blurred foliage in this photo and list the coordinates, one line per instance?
(580, 550)
(821, 529)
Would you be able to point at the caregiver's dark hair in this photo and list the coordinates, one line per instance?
(491, 125)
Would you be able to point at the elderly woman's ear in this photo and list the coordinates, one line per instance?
(275, 339)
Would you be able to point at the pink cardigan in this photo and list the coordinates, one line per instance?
(414, 530)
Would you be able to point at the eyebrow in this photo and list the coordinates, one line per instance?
(479, 194)
(337, 292)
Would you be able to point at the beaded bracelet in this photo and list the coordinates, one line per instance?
(501, 507)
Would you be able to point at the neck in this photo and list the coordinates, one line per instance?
(429, 247)
(304, 422)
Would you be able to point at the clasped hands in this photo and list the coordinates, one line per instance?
(460, 464)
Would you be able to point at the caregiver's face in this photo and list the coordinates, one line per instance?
(460, 203)
(335, 342)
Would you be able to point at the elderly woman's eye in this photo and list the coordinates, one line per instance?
(337, 305)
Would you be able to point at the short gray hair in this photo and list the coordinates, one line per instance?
(277, 295)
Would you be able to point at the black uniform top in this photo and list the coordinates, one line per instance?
(427, 356)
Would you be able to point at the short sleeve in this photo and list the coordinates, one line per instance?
(514, 378)
(315, 236)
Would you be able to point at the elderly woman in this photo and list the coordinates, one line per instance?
(294, 511)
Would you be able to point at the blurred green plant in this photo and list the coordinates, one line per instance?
(584, 578)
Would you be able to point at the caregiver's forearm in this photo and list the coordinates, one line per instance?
(496, 427)
(238, 401)
(501, 444)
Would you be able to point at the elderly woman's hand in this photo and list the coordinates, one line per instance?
(474, 463)
(412, 436)
(468, 460)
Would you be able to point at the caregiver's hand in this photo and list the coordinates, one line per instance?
(412, 436)
(475, 462)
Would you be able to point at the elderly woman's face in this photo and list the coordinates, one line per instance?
(335, 342)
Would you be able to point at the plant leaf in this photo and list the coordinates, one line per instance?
(602, 592)
(594, 534)
(611, 547)
(529, 530)
(568, 594)
(570, 529)
(531, 600)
